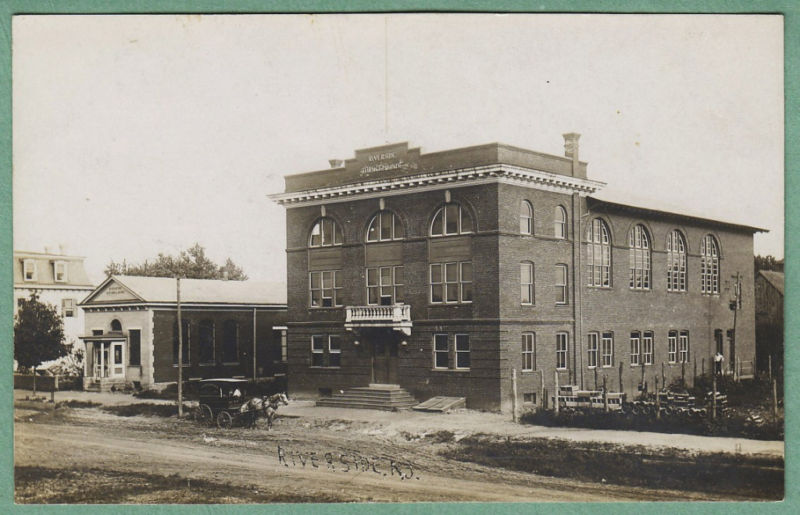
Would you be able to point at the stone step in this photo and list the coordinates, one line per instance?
(379, 397)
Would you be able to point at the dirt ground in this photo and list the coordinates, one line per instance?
(86, 455)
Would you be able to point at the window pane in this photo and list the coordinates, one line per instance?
(451, 218)
(398, 228)
(327, 280)
(436, 273)
(335, 343)
(525, 273)
(372, 276)
(318, 343)
(451, 272)
(440, 340)
(372, 295)
(452, 292)
(466, 272)
(386, 276)
(466, 292)
(436, 293)
(398, 275)
(386, 225)
(466, 221)
(436, 229)
(315, 280)
(372, 232)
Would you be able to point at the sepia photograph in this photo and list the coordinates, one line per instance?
(397, 258)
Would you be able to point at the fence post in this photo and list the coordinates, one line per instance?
(514, 394)
(555, 393)
(683, 374)
(605, 395)
(775, 400)
(658, 401)
(663, 376)
(544, 393)
(595, 377)
(53, 389)
(769, 366)
(694, 375)
(621, 388)
(714, 396)
(703, 367)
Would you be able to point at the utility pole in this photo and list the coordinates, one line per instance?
(180, 348)
(735, 305)
(254, 344)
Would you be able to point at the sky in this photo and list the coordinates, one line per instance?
(135, 135)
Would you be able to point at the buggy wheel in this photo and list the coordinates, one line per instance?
(205, 415)
(224, 420)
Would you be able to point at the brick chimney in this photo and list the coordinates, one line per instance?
(336, 163)
(571, 151)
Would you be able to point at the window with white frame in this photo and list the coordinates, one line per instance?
(672, 346)
(441, 351)
(451, 219)
(326, 350)
(676, 261)
(325, 233)
(324, 289)
(639, 257)
(384, 285)
(709, 265)
(598, 249)
(647, 348)
(528, 352)
(526, 283)
(68, 308)
(29, 270)
(451, 282)
(525, 217)
(636, 342)
(60, 271)
(683, 347)
(385, 226)
(560, 223)
(562, 294)
(562, 350)
(607, 349)
(592, 345)
(462, 351)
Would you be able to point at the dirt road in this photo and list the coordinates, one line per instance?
(318, 459)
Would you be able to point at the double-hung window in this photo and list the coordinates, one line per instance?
(607, 349)
(68, 308)
(326, 350)
(462, 351)
(683, 347)
(384, 285)
(451, 282)
(526, 218)
(325, 288)
(592, 346)
(29, 269)
(647, 348)
(60, 271)
(636, 342)
(528, 352)
(672, 346)
(562, 351)
(526, 275)
(561, 284)
(441, 351)
(598, 254)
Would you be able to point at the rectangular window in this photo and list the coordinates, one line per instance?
(562, 345)
(636, 341)
(334, 351)
(68, 308)
(440, 351)
(672, 346)
(324, 289)
(526, 283)
(528, 352)
(284, 346)
(384, 285)
(462, 351)
(134, 347)
(529, 398)
(684, 347)
(561, 284)
(29, 270)
(451, 282)
(318, 350)
(60, 271)
(647, 348)
(607, 348)
(592, 346)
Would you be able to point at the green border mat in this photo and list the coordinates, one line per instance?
(791, 12)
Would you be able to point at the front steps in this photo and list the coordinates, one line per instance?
(386, 397)
(102, 385)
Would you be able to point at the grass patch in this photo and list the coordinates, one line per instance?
(40, 485)
(729, 474)
(143, 408)
(73, 403)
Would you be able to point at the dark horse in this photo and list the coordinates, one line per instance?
(266, 406)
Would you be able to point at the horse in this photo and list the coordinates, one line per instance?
(271, 404)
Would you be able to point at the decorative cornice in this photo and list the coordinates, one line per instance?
(501, 173)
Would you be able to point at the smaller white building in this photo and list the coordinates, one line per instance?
(60, 280)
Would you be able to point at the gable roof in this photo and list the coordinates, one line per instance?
(163, 290)
(776, 279)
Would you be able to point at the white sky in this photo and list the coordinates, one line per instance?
(135, 135)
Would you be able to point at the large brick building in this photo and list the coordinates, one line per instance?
(443, 272)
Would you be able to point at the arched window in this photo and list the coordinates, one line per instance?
(560, 223)
(116, 325)
(598, 257)
(451, 219)
(676, 262)
(230, 341)
(206, 341)
(639, 254)
(385, 226)
(526, 218)
(709, 265)
(325, 234)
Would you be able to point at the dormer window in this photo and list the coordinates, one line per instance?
(29, 270)
(60, 271)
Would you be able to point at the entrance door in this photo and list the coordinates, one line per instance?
(101, 360)
(117, 359)
(384, 360)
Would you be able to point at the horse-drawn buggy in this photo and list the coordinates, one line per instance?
(228, 402)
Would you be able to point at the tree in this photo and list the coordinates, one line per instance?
(38, 334)
(191, 263)
(767, 263)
